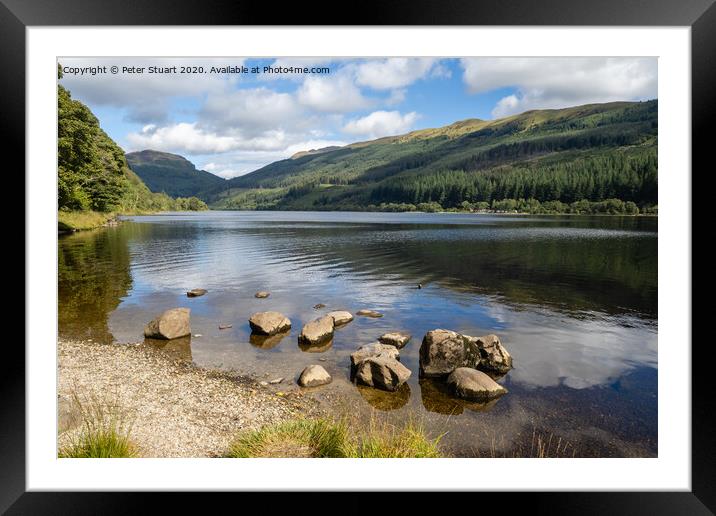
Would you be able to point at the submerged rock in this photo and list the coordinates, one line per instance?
(269, 323)
(471, 384)
(196, 292)
(375, 349)
(443, 351)
(369, 313)
(317, 331)
(225, 326)
(172, 324)
(340, 317)
(261, 294)
(318, 306)
(395, 338)
(313, 376)
(382, 372)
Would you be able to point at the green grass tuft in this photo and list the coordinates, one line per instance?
(82, 220)
(326, 438)
(297, 438)
(104, 431)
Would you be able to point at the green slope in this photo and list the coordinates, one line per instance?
(172, 174)
(93, 175)
(593, 152)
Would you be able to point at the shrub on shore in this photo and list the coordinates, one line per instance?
(327, 438)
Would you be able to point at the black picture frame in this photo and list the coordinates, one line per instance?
(700, 15)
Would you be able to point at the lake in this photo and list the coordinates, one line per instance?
(573, 299)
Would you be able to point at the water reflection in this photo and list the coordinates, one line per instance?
(93, 275)
(178, 349)
(384, 400)
(267, 341)
(436, 397)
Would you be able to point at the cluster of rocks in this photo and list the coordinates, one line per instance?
(467, 365)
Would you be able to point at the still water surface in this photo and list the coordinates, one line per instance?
(574, 300)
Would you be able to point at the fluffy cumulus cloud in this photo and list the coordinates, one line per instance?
(381, 123)
(395, 72)
(251, 110)
(558, 82)
(333, 94)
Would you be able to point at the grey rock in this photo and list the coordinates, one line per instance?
(395, 338)
(382, 372)
(375, 349)
(172, 324)
(269, 323)
(443, 351)
(493, 355)
(369, 313)
(261, 294)
(340, 317)
(196, 292)
(471, 384)
(317, 331)
(313, 376)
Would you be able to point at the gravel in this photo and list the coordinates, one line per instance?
(176, 408)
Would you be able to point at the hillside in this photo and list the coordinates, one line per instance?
(593, 152)
(172, 174)
(93, 177)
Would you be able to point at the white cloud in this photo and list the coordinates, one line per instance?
(333, 94)
(381, 123)
(394, 72)
(556, 82)
(181, 137)
(145, 95)
(250, 111)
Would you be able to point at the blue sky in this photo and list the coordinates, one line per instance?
(233, 123)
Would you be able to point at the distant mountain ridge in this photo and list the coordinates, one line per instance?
(173, 174)
(591, 152)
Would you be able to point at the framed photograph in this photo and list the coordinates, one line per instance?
(430, 254)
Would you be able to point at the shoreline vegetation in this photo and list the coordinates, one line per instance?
(505, 206)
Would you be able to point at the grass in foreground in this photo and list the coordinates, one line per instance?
(326, 438)
(81, 220)
(104, 431)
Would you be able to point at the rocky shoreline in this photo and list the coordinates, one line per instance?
(176, 409)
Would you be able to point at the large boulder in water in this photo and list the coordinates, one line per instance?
(375, 349)
(471, 384)
(269, 323)
(317, 331)
(382, 372)
(443, 351)
(172, 324)
(494, 357)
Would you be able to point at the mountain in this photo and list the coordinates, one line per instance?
(593, 152)
(172, 174)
